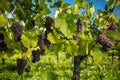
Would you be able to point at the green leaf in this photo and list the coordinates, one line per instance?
(59, 22)
(83, 44)
(49, 0)
(53, 38)
(90, 10)
(6, 5)
(3, 20)
(57, 4)
(19, 8)
(81, 3)
(45, 10)
(113, 35)
(29, 38)
(71, 47)
(11, 43)
(66, 26)
(68, 48)
(74, 46)
(27, 54)
(97, 55)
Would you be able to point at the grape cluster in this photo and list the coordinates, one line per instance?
(17, 30)
(21, 63)
(3, 46)
(48, 24)
(105, 42)
(31, 24)
(113, 27)
(36, 55)
(80, 24)
(41, 41)
(76, 37)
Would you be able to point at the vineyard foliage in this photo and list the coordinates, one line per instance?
(34, 42)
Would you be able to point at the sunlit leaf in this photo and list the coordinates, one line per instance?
(3, 20)
(29, 39)
(97, 55)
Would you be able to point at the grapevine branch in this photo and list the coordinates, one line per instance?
(111, 21)
(105, 30)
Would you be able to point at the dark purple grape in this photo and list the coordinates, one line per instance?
(31, 24)
(105, 48)
(76, 37)
(80, 24)
(41, 41)
(21, 63)
(113, 27)
(48, 23)
(105, 42)
(35, 56)
(17, 30)
(24, 49)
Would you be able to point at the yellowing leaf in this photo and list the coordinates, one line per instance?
(53, 38)
(3, 20)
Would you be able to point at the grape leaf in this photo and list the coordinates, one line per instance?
(83, 44)
(66, 26)
(29, 38)
(53, 38)
(3, 20)
(97, 55)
